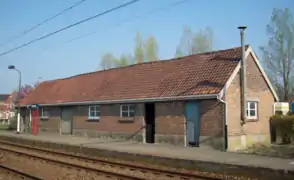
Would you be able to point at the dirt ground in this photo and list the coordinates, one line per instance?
(274, 150)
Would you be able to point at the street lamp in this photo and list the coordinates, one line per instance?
(12, 67)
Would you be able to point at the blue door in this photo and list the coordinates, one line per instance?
(193, 123)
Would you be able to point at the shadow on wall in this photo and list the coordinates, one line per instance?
(203, 84)
(212, 123)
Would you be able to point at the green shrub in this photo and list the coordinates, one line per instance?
(284, 125)
(13, 123)
(4, 126)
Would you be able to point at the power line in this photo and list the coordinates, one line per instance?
(129, 20)
(70, 26)
(43, 22)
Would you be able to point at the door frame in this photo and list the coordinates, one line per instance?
(71, 121)
(154, 123)
(196, 123)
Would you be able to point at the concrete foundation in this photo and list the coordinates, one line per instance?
(170, 139)
(108, 135)
(241, 142)
(213, 142)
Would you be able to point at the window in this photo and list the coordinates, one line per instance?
(44, 112)
(251, 110)
(127, 110)
(94, 112)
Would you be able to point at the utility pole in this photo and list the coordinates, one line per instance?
(12, 67)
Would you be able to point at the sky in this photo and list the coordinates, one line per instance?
(115, 32)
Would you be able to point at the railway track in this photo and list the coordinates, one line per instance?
(17, 174)
(100, 166)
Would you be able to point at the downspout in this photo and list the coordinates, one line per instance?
(243, 77)
(225, 127)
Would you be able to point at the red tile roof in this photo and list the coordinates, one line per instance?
(11, 98)
(3, 97)
(199, 74)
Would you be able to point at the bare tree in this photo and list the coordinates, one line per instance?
(143, 51)
(279, 52)
(139, 52)
(151, 49)
(193, 43)
(108, 61)
(124, 60)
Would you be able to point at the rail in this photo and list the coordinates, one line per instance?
(120, 165)
(19, 173)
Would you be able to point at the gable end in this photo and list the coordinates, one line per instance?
(249, 52)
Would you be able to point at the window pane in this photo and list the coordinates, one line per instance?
(252, 105)
(124, 108)
(252, 113)
(98, 113)
(92, 114)
(124, 114)
(92, 108)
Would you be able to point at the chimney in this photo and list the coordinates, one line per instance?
(243, 76)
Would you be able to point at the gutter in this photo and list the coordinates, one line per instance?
(139, 100)
(225, 127)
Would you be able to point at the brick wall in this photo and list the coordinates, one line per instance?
(257, 89)
(212, 117)
(170, 121)
(170, 118)
(212, 123)
(52, 124)
(110, 122)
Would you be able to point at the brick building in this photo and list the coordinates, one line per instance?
(6, 107)
(193, 100)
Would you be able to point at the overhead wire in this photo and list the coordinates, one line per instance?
(70, 26)
(43, 22)
(127, 21)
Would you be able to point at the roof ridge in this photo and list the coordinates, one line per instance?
(149, 62)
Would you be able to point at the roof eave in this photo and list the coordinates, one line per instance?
(138, 100)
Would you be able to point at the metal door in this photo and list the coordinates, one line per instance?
(66, 120)
(193, 123)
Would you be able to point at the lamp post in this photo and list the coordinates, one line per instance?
(12, 67)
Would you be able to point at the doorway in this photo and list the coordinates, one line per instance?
(150, 122)
(193, 123)
(66, 120)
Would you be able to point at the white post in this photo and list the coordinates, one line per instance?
(143, 123)
(30, 116)
(18, 122)
(8, 115)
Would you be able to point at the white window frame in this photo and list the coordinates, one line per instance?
(128, 111)
(248, 109)
(97, 109)
(44, 112)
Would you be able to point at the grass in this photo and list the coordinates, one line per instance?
(283, 151)
(4, 126)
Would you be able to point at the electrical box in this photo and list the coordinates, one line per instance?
(281, 108)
